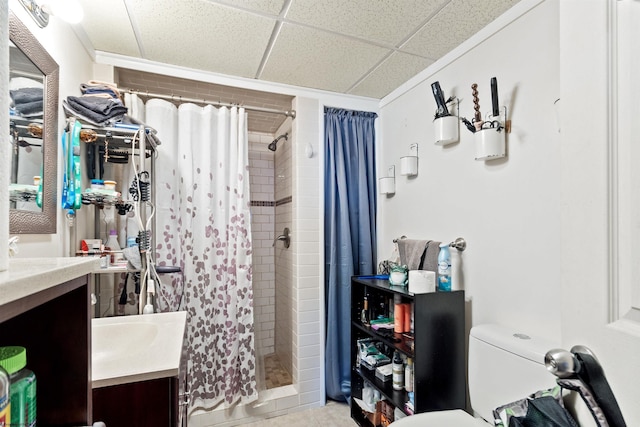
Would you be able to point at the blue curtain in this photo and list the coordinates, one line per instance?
(350, 232)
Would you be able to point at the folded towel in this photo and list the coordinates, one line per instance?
(26, 95)
(107, 107)
(90, 117)
(411, 252)
(29, 108)
(96, 87)
(431, 257)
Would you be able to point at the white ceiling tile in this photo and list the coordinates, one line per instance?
(454, 24)
(394, 71)
(272, 7)
(203, 35)
(382, 21)
(107, 26)
(316, 59)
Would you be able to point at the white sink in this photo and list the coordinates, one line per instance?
(128, 349)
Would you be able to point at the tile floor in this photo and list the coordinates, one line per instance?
(275, 374)
(334, 414)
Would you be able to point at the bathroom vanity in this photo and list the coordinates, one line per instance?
(138, 369)
(44, 307)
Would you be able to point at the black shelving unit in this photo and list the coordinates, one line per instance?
(438, 350)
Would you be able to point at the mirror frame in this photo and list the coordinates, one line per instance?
(44, 222)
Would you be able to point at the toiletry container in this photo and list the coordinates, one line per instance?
(408, 375)
(5, 398)
(444, 268)
(23, 386)
(397, 371)
(114, 246)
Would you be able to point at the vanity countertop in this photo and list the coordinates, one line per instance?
(127, 349)
(29, 276)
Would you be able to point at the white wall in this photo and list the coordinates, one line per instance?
(75, 67)
(508, 210)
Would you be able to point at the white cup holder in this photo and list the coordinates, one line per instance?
(490, 144)
(446, 130)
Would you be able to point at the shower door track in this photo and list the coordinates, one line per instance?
(288, 113)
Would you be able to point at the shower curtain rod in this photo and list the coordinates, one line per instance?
(288, 113)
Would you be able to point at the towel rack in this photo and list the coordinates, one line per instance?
(459, 243)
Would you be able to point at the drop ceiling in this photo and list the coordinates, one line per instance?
(358, 47)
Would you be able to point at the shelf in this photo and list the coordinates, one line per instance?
(384, 285)
(403, 344)
(438, 352)
(397, 397)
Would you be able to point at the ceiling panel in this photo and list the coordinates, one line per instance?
(107, 26)
(382, 21)
(455, 23)
(355, 46)
(397, 69)
(307, 57)
(202, 35)
(272, 7)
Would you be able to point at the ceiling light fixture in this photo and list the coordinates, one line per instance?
(67, 10)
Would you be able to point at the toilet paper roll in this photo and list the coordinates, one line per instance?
(422, 281)
(5, 153)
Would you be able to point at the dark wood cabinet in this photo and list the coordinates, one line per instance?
(54, 326)
(437, 347)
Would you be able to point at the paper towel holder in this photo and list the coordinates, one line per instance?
(459, 244)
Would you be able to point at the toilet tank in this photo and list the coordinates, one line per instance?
(505, 365)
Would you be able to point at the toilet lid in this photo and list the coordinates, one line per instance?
(454, 418)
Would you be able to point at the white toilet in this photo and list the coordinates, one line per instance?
(505, 365)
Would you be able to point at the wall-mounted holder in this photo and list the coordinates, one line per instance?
(490, 140)
(447, 129)
(387, 184)
(409, 164)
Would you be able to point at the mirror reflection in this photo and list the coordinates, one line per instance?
(26, 90)
(33, 131)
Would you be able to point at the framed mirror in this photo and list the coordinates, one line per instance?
(33, 85)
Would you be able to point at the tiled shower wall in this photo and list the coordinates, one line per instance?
(284, 256)
(261, 172)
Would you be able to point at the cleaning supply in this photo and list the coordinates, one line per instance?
(23, 386)
(444, 268)
(5, 398)
(397, 369)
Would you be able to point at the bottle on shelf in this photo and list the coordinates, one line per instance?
(408, 375)
(397, 369)
(113, 245)
(5, 398)
(364, 314)
(23, 386)
(444, 268)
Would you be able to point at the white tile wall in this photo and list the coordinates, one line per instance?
(284, 256)
(261, 170)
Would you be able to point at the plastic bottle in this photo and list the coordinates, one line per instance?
(5, 398)
(397, 370)
(408, 375)
(364, 314)
(23, 386)
(444, 268)
(113, 245)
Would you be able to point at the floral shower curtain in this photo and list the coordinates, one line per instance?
(203, 226)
